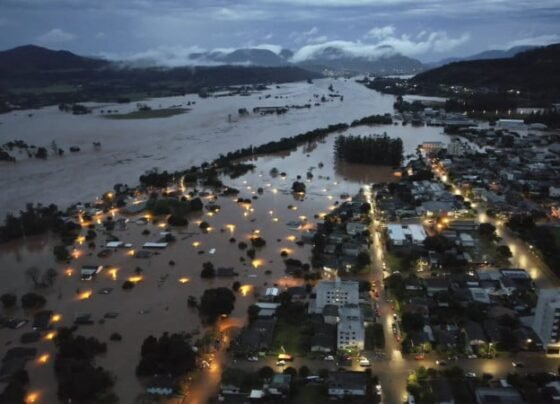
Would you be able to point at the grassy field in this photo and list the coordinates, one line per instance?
(150, 114)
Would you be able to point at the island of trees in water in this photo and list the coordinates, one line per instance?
(372, 149)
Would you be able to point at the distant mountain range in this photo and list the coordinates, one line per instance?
(535, 71)
(489, 54)
(388, 62)
(33, 58)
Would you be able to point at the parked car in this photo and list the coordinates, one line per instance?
(329, 358)
(364, 362)
(419, 357)
(281, 363)
(470, 374)
(518, 364)
(441, 363)
(253, 359)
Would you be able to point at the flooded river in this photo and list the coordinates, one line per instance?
(158, 302)
(130, 147)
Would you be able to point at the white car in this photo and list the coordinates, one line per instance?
(329, 358)
(364, 362)
(470, 374)
(281, 363)
(253, 359)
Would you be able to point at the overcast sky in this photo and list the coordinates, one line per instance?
(425, 29)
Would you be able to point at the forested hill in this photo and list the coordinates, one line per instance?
(31, 58)
(535, 71)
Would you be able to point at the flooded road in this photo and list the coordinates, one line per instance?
(130, 147)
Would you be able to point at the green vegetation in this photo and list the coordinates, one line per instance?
(79, 379)
(16, 389)
(376, 150)
(215, 303)
(171, 354)
(149, 114)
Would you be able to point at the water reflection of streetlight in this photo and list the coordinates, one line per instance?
(31, 398)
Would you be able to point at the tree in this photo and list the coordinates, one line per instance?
(363, 259)
(438, 243)
(290, 371)
(298, 187)
(487, 230)
(61, 253)
(34, 275)
(215, 303)
(171, 354)
(236, 285)
(9, 300)
(49, 276)
(78, 378)
(412, 322)
(177, 220)
(258, 242)
(16, 389)
(196, 204)
(266, 373)
(503, 252)
(208, 271)
(32, 301)
(304, 372)
(253, 313)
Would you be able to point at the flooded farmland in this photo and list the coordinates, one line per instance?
(164, 281)
(130, 147)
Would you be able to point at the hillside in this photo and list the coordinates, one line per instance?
(535, 71)
(32, 58)
(489, 54)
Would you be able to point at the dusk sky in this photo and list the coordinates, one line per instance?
(171, 29)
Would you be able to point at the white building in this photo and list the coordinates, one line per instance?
(350, 331)
(547, 320)
(337, 292)
(400, 235)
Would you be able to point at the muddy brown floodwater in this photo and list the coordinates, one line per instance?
(158, 302)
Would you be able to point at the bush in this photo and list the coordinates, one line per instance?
(9, 300)
(32, 301)
(242, 245)
(236, 285)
